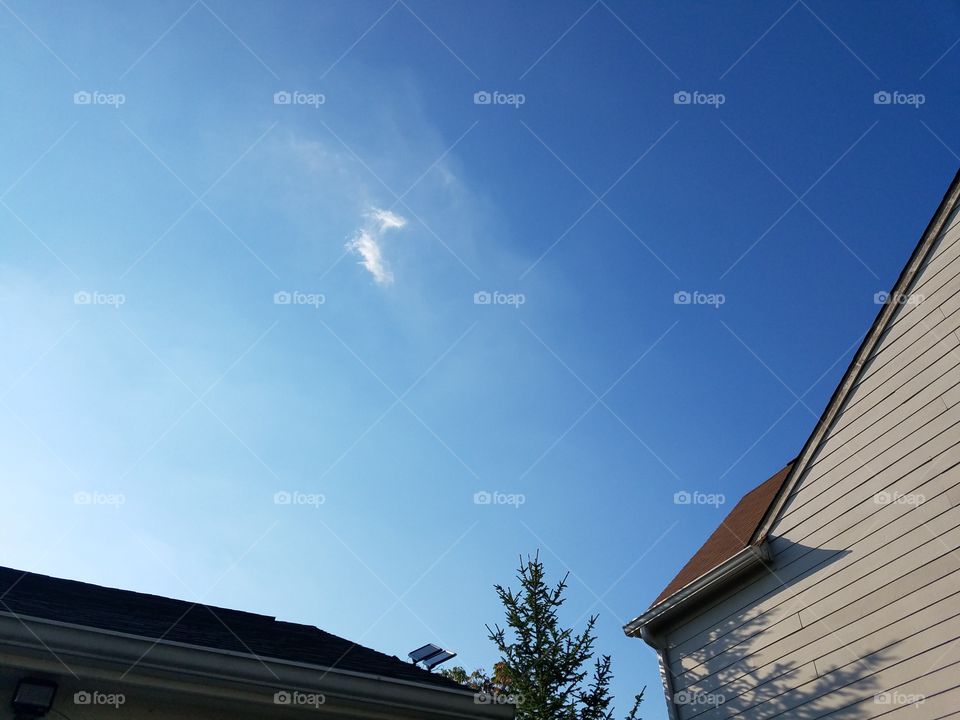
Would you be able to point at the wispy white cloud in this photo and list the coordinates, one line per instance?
(367, 242)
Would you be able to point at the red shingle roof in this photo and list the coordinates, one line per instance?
(732, 536)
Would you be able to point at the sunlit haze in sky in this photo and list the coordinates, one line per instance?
(332, 310)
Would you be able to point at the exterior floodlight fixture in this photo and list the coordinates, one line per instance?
(33, 698)
(430, 655)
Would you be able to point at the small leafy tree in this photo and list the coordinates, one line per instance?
(545, 667)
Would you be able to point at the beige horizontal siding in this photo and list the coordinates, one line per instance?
(935, 285)
(844, 523)
(939, 690)
(797, 564)
(922, 337)
(943, 255)
(913, 658)
(895, 346)
(925, 309)
(941, 360)
(816, 575)
(894, 407)
(935, 588)
(908, 446)
(866, 577)
(894, 420)
(952, 396)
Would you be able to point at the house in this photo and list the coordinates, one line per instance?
(833, 588)
(94, 650)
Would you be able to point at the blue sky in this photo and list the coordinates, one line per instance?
(148, 224)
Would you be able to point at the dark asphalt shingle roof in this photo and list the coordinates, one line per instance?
(732, 536)
(156, 617)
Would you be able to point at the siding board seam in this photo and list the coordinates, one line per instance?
(897, 345)
(946, 377)
(830, 631)
(893, 391)
(925, 480)
(866, 463)
(858, 679)
(891, 429)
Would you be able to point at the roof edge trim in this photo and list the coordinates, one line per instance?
(107, 640)
(645, 626)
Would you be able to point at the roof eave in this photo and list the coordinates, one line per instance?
(208, 671)
(649, 623)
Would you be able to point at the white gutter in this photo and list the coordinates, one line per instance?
(39, 644)
(653, 622)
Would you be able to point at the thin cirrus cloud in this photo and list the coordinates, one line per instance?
(367, 242)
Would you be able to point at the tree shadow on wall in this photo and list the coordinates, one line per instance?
(801, 665)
